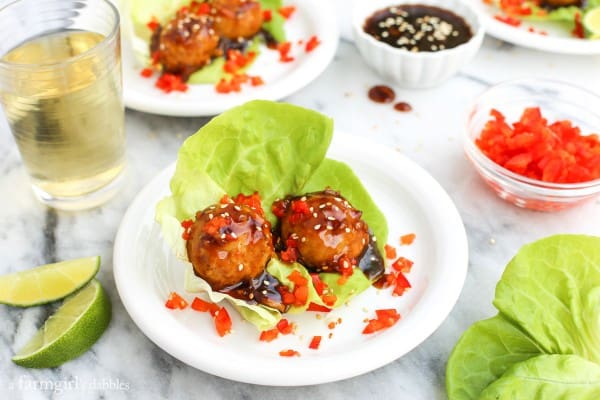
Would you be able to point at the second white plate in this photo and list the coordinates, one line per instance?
(146, 272)
(312, 17)
(557, 40)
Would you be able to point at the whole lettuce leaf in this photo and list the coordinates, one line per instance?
(549, 303)
(551, 290)
(272, 148)
(548, 377)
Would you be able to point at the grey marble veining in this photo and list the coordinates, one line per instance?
(30, 234)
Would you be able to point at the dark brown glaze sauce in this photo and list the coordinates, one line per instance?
(402, 107)
(262, 290)
(418, 28)
(382, 94)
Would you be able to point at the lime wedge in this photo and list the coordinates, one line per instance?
(70, 332)
(47, 283)
(591, 23)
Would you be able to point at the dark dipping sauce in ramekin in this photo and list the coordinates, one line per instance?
(418, 28)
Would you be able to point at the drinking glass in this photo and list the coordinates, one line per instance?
(61, 91)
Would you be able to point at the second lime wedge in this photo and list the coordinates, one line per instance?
(69, 332)
(591, 23)
(47, 283)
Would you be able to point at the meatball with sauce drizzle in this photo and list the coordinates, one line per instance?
(229, 244)
(236, 19)
(185, 44)
(323, 229)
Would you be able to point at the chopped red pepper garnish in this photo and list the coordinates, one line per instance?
(331, 325)
(284, 49)
(385, 319)
(289, 353)
(252, 201)
(269, 335)
(390, 252)
(286, 12)
(153, 24)
(402, 285)
(267, 15)
(204, 306)
(315, 343)
(200, 8)
(285, 327)
(317, 308)
(402, 265)
(536, 149)
(186, 225)
(147, 72)
(176, 302)
(222, 322)
(287, 297)
(301, 295)
(408, 239)
(508, 20)
(297, 278)
(256, 81)
(319, 285)
(312, 44)
(279, 208)
(578, 31)
(171, 83)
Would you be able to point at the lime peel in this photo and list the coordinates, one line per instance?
(70, 332)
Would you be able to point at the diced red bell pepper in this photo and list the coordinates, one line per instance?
(222, 322)
(176, 302)
(315, 343)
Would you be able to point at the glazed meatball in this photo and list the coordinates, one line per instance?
(325, 229)
(237, 18)
(229, 244)
(185, 44)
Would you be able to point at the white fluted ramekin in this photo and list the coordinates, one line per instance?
(408, 69)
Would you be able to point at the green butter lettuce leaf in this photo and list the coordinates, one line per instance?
(276, 26)
(212, 73)
(551, 290)
(272, 148)
(281, 271)
(548, 377)
(545, 343)
(260, 316)
(355, 284)
(340, 177)
(483, 353)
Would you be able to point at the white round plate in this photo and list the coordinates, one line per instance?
(558, 40)
(146, 272)
(312, 17)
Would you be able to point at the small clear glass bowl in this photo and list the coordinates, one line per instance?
(557, 101)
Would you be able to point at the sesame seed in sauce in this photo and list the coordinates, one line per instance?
(240, 267)
(418, 28)
(317, 227)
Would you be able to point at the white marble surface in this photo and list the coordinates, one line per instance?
(125, 364)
